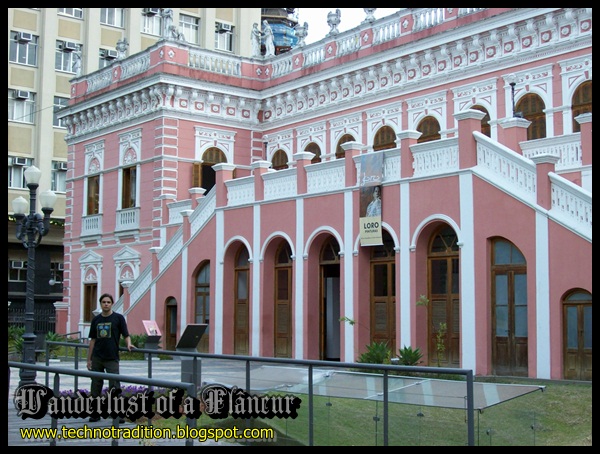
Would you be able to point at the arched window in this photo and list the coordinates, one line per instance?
(582, 102)
(203, 173)
(339, 151)
(429, 129)
(384, 139)
(485, 121)
(280, 160)
(532, 108)
(316, 150)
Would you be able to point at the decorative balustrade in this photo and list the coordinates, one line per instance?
(128, 219)
(215, 62)
(175, 209)
(326, 176)
(348, 42)
(435, 157)
(566, 147)
(280, 184)
(506, 168)
(240, 191)
(91, 225)
(571, 204)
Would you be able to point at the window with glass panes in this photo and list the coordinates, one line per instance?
(190, 27)
(59, 176)
(64, 59)
(16, 172)
(23, 48)
(112, 16)
(73, 12)
(129, 187)
(223, 39)
(93, 195)
(21, 108)
(59, 103)
(152, 24)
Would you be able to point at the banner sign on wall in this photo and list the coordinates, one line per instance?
(371, 176)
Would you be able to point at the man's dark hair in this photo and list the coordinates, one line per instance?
(106, 295)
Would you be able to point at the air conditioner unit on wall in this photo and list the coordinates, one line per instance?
(111, 54)
(21, 94)
(19, 161)
(151, 11)
(24, 37)
(17, 264)
(69, 46)
(223, 27)
(64, 166)
(61, 267)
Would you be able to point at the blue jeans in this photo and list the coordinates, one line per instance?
(110, 366)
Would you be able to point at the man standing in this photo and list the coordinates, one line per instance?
(103, 354)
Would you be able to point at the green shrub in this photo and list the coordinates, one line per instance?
(377, 353)
(139, 340)
(409, 357)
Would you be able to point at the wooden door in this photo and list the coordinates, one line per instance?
(509, 311)
(283, 302)
(577, 337)
(329, 297)
(383, 293)
(241, 341)
(170, 325)
(444, 302)
(444, 314)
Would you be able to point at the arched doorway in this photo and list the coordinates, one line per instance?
(385, 139)
(383, 293)
(204, 174)
(329, 333)
(316, 150)
(582, 102)
(279, 160)
(241, 340)
(202, 304)
(171, 324)
(577, 336)
(339, 151)
(444, 303)
(485, 121)
(429, 128)
(283, 301)
(509, 310)
(532, 108)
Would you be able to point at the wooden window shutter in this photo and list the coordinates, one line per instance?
(196, 175)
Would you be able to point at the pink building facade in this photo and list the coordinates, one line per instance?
(206, 188)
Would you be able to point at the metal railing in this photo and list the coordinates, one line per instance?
(248, 361)
(58, 371)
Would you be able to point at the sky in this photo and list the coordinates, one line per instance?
(350, 18)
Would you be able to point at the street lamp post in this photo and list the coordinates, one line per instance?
(30, 230)
(512, 81)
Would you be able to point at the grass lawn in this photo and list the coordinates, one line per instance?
(560, 415)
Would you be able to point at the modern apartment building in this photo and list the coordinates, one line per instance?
(48, 47)
(236, 192)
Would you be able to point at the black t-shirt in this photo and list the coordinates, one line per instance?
(107, 331)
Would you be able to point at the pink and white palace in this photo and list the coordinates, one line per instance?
(210, 188)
